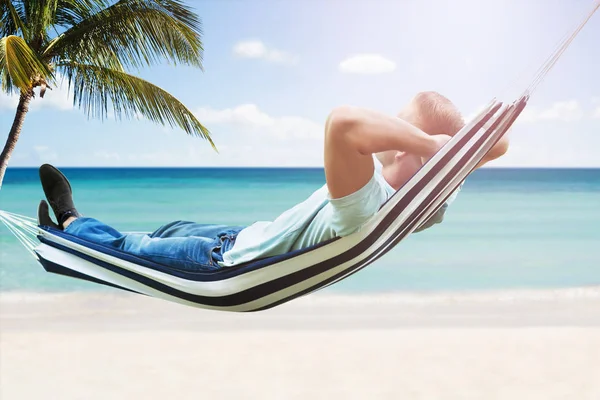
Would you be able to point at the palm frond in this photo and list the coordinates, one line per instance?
(180, 12)
(71, 12)
(39, 15)
(19, 65)
(11, 19)
(96, 88)
(134, 32)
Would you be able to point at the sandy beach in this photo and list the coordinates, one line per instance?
(504, 345)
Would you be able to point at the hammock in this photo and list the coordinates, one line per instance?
(266, 283)
(275, 280)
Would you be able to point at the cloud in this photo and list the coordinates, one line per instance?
(57, 98)
(8, 102)
(367, 64)
(249, 119)
(240, 153)
(596, 113)
(547, 147)
(565, 111)
(107, 155)
(45, 153)
(257, 49)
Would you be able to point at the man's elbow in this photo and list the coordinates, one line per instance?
(501, 148)
(341, 120)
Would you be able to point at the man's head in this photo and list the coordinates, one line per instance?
(432, 113)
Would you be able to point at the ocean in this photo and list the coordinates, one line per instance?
(508, 228)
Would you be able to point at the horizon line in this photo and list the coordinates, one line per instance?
(277, 166)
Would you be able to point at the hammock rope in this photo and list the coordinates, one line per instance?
(560, 50)
(24, 228)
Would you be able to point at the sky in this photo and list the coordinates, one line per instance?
(273, 70)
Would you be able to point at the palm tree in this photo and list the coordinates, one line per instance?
(92, 44)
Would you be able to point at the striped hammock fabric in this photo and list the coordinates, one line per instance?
(266, 283)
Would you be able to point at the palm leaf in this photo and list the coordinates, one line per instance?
(40, 15)
(95, 88)
(19, 66)
(132, 33)
(11, 19)
(71, 12)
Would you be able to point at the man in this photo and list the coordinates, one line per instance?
(355, 189)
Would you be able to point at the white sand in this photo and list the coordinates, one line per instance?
(102, 346)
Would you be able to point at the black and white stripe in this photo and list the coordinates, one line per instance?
(266, 283)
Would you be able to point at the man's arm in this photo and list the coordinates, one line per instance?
(371, 132)
(353, 134)
(497, 151)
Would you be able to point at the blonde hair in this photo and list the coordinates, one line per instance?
(432, 113)
(437, 114)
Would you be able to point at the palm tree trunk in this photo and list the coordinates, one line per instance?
(15, 130)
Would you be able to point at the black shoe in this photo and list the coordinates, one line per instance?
(58, 192)
(44, 216)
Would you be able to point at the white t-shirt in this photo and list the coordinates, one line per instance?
(317, 219)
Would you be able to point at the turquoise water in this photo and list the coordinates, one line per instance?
(509, 228)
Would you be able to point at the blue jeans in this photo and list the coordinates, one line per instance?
(181, 244)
